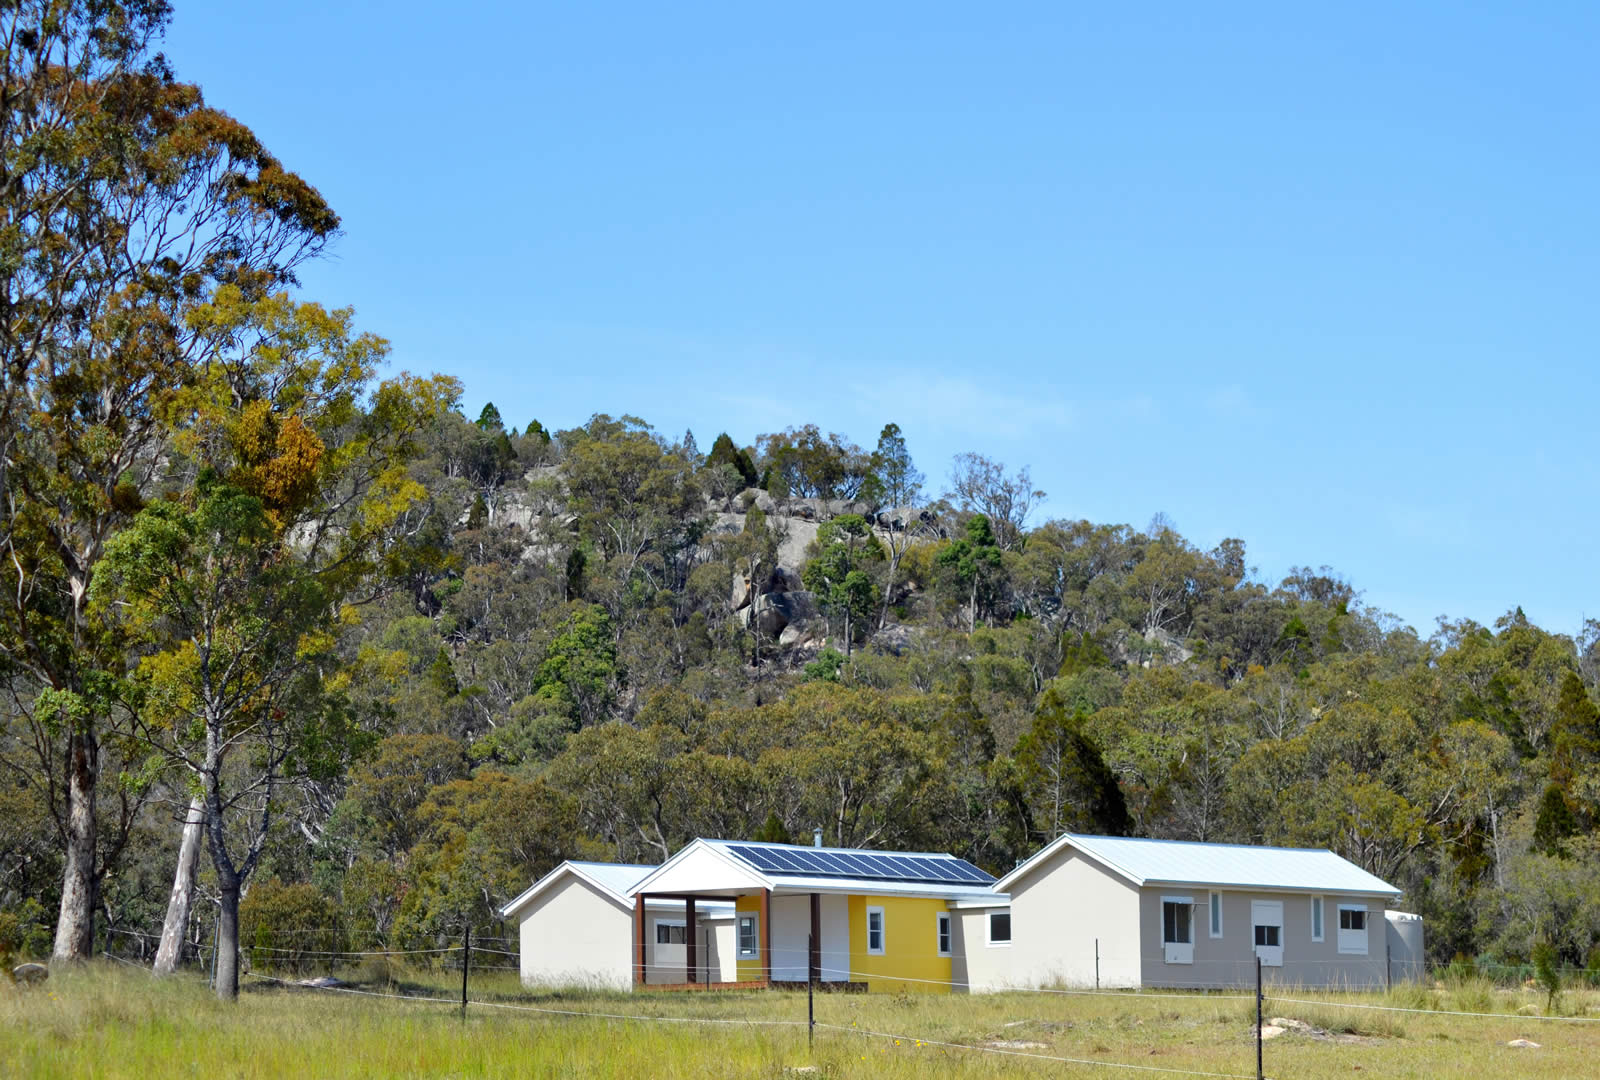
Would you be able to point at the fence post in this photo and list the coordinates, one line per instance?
(466, 963)
(1259, 1074)
(1388, 964)
(1097, 963)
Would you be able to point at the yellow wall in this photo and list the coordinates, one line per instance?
(910, 960)
(747, 970)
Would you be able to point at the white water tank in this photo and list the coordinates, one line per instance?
(1407, 961)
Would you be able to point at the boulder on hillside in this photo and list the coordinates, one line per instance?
(774, 613)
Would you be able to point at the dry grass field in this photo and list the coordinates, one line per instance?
(118, 1022)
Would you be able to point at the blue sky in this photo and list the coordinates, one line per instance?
(1323, 279)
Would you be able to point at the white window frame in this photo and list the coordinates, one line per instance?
(1177, 952)
(1214, 914)
(672, 922)
(1349, 946)
(883, 934)
(988, 929)
(942, 937)
(754, 952)
(1319, 919)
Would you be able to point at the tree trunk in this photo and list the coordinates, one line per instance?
(75, 925)
(228, 940)
(177, 922)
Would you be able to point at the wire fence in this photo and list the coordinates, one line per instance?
(1270, 999)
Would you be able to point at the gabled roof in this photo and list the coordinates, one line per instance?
(1180, 862)
(614, 881)
(729, 867)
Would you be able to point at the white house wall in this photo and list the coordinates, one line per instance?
(835, 938)
(791, 937)
(721, 952)
(973, 964)
(572, 936)
(1059, 911)
(1230, 960)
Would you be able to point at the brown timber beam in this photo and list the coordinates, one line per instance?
(815, 959)
(638, 940)
(689, 937)
(765, 921)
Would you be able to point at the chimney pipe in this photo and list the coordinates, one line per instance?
(816, 836)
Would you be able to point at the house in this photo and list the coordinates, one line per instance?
(848, 917)
(576, 928)
(1122, 912)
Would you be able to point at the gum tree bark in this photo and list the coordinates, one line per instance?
(170, 950)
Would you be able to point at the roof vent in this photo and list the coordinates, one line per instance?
(816, 836)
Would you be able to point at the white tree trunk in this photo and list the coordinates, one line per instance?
(173, 929)
(75, 926)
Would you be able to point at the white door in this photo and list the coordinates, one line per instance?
(1266, 917)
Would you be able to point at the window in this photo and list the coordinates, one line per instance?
(1175, 920)
(1270, 936)
(749, 940)
(999, 928)
(1216, 914)
(875, 931)
(1177, 929)
(1353, 929)
(942, 932)
(669, 933)
(1316, 918)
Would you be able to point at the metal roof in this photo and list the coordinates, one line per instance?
(617, 880)
(620, 878)
(1182, 862)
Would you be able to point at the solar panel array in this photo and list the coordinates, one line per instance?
(831, 862)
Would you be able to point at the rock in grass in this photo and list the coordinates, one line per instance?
(29, 974)
(1523, 1044)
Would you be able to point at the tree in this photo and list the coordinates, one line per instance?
(489, 418)
(971, 568)
(896, 483)
(241, 585)
(128, 202)
(725, 453)
(812, 465)
(833, 572)
(1065, 779)
(979, 485)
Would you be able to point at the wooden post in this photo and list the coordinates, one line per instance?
(689, 937)
(1097, 963)
(814, 951)
(811, 990)
(766, 935)
(638, 940)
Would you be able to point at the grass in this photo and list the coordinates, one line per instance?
(118, 1022)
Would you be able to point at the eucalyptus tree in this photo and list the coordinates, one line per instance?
(127, 202)
(239, 585)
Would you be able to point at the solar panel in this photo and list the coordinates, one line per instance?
(872, 865)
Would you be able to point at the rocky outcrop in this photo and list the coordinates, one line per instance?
(779, 607)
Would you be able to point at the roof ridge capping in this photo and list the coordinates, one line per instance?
(813, 847)
(1204, 843)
